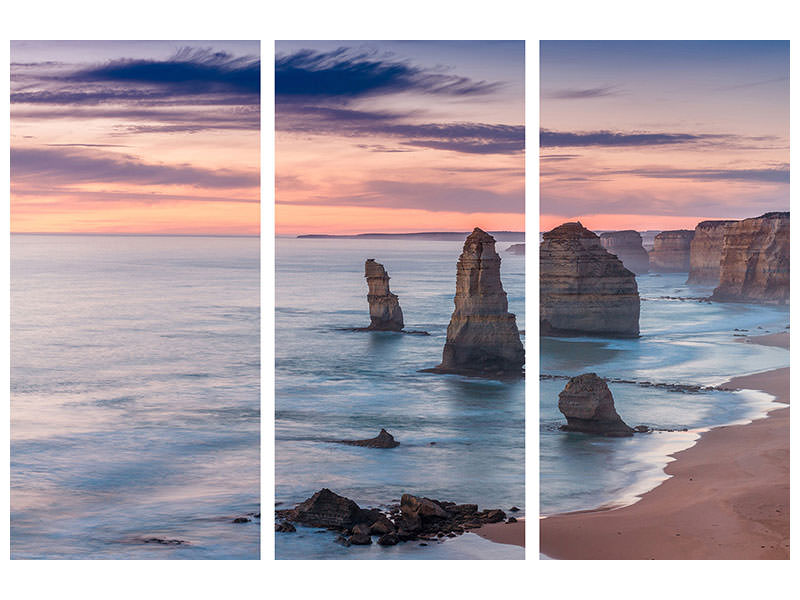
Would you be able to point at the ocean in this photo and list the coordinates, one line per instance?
(682, 341)
(135, 405)
(461, 439)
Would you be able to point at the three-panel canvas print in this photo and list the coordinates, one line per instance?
(399, 382)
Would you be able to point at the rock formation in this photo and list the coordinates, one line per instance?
(383, 440)
(755, 261)
(583, 289)
(518, 249)
(327, 509)
(588, 405)
(384, 309)
(482, 338)
(671, 251)
(627, 246)
(705, 252)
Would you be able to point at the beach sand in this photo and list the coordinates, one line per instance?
(504, 533)
(728, 497)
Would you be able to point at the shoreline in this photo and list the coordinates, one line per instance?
(727, 496)
(503, 533)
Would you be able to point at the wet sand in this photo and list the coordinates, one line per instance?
(504, 533)
(728, 497)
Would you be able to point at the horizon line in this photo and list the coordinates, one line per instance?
(135, 234)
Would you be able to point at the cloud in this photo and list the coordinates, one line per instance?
(557, 139)
(582, 94)
(62, 166)
(774, 175)
(433, 197)
(346, 73)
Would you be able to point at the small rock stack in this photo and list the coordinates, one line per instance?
(384, 308)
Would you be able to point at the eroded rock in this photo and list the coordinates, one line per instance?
(384, 308)
(671, 251)
(627, 246)
(383, 440)
(588, 405)
(705, 252)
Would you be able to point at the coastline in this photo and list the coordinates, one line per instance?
(503, 533)
(727, 496)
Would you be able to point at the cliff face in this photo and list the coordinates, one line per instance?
(384, 308)
(482, 337)
(671, 251)
(705, 252)
(755, 261)
(627, 246)
(583, 289)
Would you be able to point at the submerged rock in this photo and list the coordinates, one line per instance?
(383, 440)
(584, 289)
(755, 261)
(627, 246)
(588, 405)
(327, 509)
(482, 337)
(671, 251)
(384, 308)
(705, 252)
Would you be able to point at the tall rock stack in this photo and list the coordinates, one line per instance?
(755, 261)
(583, 289)
(671, 251)
(482, 338)
(384, 309)
(705, 252)
(627, 246)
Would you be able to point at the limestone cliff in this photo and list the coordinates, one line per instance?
(482, 337)
(705, 252)
(627, 246)
(755, 261)
(583, 289)
(384, 309)
(671, 251)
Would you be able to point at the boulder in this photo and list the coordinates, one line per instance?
(482, 337)
(383, 440)
(388, 539)
(359, 539)
(755, 261)
(588, 405)
(671, 250)
(285, 527)
(327, 509)
(627, 246)
(422, 507)
(705, 252)
(584, 289)
(384, 308)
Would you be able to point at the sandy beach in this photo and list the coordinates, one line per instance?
(727, 497)
(504, 533)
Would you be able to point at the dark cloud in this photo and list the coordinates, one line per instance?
(558, 157)
(425, 196)
(144, 197)
(63, 166)
(557, 139)
(775, 175)
(581, 94)
(346, 73)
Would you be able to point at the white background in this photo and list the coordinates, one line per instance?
(375, 20)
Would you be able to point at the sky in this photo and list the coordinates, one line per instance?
(662, 134)
(135, 137)
(399, 136)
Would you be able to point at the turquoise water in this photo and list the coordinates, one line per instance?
(461, 439)
(682, 341)
(135, 406)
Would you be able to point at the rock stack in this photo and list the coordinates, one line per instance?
(705, 252)
(482, 337)
(583, 289)
(755, 261)
(671, 251)
(627, 246)
(384, 309)
(588, 405)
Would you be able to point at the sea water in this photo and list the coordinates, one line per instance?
(461, 439)
(683, 341)
(135, 404)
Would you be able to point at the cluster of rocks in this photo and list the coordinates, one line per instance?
(627, 246)
(414, 518)
(671, 251)
(754, 266)
(584, 289)
(482, 337)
